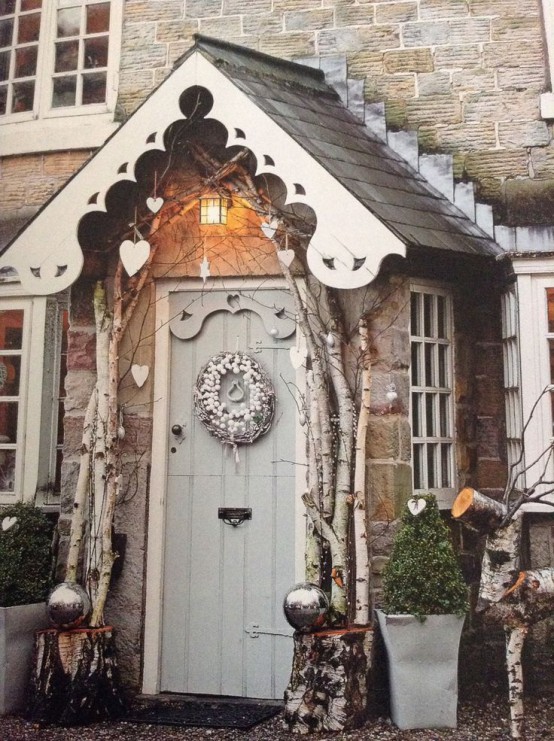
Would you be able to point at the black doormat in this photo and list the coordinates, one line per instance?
(205, 713)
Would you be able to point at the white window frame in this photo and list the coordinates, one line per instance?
(35, 416)
(53, 129)
(533, 278)
(445, 495)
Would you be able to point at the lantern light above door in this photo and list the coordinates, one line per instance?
(213, 209)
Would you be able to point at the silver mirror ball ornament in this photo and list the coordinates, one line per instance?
(305, 606)
(68, 605)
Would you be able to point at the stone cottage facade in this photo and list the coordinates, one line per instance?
(461, 91)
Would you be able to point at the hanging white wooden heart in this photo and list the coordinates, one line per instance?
(269, 228)
(8, 522)
(140, 374)
(205, 269)
(416, 506)
(298, 356)
(154, 204)
(285, 257)
(133, 255)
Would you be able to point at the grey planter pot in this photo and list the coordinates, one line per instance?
(17, 629)
(423, 669)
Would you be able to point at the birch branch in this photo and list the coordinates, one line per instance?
(112, 472)
(103, 321)
(361, 546)
(321, 394)
(78, 515)
(323, 528)
(343, 462)
(313, 541)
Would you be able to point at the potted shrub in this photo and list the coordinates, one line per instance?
(25, 578)
(424, 604)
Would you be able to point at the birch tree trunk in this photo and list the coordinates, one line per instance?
(74, 679)
(343, 499)
(507, 596)
(361, 545)
(515, 639)
(111, 468)
(329, 684)
(78, 516)
(103, 321)
(313, 551)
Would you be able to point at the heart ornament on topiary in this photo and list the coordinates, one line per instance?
(416, 505)
(8, 522)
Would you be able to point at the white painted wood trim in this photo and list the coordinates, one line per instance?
(156, 505)
(335, 237)
(158, 475)
(30, 394)
(33, 380)
(56, 135)
(535, 364)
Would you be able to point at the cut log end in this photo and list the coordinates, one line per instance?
(478, 511)
(463, 502)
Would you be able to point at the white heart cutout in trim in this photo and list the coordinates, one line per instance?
(154, 204)
(286, 257)
(8, 522)
(140, 374)
(416, 506)
(298, 356)
(133, 255)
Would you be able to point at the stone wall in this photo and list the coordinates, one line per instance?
(27, 181)
(466, 74)
(478, 398)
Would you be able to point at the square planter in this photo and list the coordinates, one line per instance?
(423, 668)
(17, 631)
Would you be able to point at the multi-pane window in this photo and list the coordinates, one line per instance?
(11, 352)
(432, 384)
(81, 58)
(32, 370)
(20, 22)
(512, 390)
(53, 54)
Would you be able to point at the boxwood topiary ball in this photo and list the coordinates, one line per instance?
(305, 606)
(68, 605)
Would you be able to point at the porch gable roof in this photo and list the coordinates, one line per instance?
(368, 201)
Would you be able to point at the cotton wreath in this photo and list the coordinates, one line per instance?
(251, 399)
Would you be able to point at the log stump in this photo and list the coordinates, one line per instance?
(74, 679)
(330, 680)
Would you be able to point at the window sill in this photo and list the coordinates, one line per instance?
(445, 497)
(56, 134)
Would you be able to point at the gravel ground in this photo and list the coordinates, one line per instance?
(483, 719)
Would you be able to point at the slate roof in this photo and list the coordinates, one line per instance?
(299, 100)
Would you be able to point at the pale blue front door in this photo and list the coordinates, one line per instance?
(223, 631)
